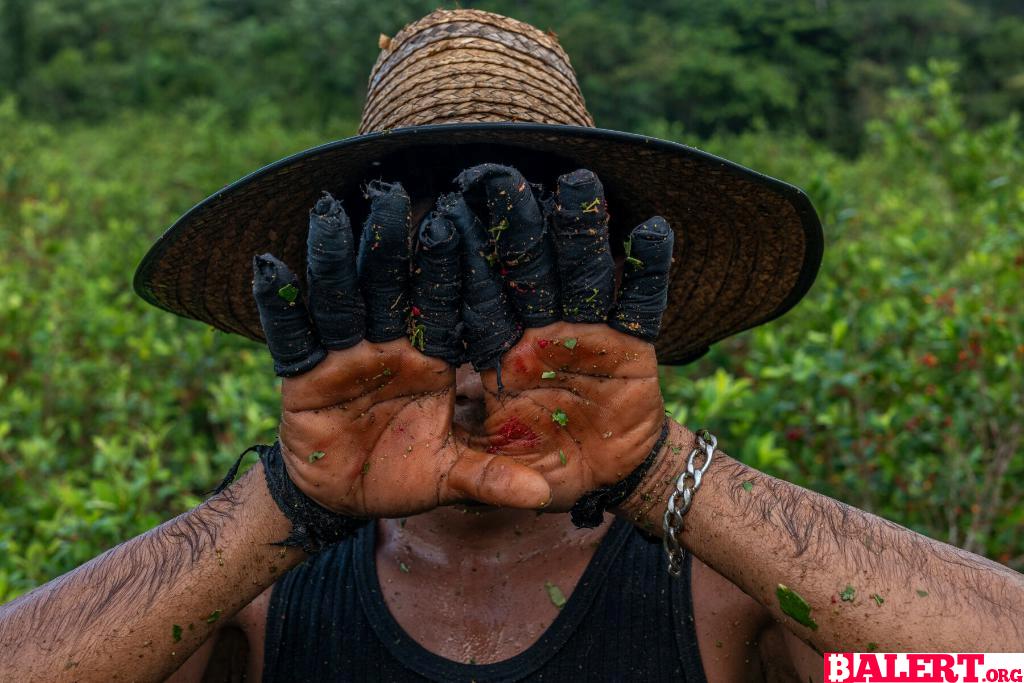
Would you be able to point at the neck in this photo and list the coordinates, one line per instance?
(473, 535)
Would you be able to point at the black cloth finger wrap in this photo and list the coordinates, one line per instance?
(435, 326)
(588, 512)
(334, 297)
(293, 344)
(490, 326)
(314, 527)
(644, 293)
(383, 262)
(579, 222)
(519, 231)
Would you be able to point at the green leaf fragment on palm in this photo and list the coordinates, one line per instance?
(569, 343)
(872, 647)
(316, 455)
(548, 374)
(289, 293)
(555, 594)
(176, 632)
(560, 417)
(878, 599)
(848, 594)
(748, 486)
(404, 567)
(366, 467)
(214, 616)
(795, 607)
(561, 456)
(922, 594)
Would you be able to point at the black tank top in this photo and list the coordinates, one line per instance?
(626, 620)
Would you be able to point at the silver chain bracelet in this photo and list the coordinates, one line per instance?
(680, 500)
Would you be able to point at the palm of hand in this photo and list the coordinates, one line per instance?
(584, 416)
(368, 418)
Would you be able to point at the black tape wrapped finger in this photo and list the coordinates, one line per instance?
(643, 293)
(579, 220)
(383, 262)
(489, 324)
(291, 339)
(501, 196)
(334, 297)
(435, 327)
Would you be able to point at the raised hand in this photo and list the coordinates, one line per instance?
(576, 395)
(368, 366)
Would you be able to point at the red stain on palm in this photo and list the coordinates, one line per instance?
(543, 343)
(520, 364)
(513, 433)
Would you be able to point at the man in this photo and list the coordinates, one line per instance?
(408, 524)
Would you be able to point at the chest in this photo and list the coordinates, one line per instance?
(478, 611)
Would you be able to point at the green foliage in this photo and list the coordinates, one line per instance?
(820, 67)
(115, 415)
(897, 384)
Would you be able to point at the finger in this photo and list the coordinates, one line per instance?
(644, 291)
(334, 297)
(489, 325)
(497, 480)
(383, 262)
(516, 225)
(579, 220)
(293, 345)
(435, 328)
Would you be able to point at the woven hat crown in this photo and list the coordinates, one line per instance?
(462, 66)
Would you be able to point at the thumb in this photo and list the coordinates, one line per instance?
(496, 480)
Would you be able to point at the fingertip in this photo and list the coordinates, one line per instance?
(655, 228)
(327, 208)
(578, 190)
(269, 271)
(436, 230)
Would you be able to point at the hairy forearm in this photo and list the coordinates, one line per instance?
(140, 609)
(870, 583)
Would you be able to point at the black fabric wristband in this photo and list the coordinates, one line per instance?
(314, 527)
(588, 512)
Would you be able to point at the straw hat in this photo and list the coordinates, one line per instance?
(462, 87)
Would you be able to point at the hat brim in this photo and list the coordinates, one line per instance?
(748, 246)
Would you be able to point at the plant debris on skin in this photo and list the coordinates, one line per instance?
(795, 607)
(555, 594)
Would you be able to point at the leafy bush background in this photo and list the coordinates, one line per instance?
(896, 385)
